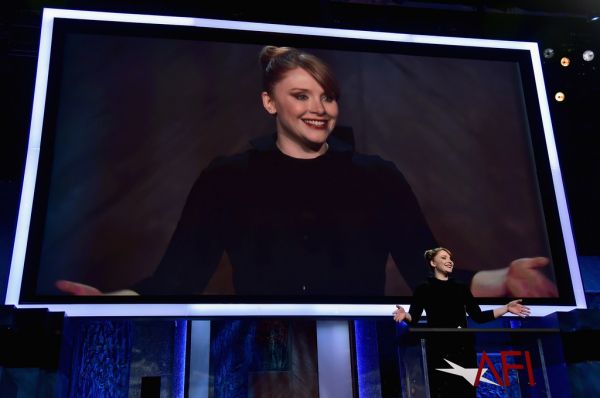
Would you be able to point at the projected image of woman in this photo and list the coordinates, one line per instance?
(301, 213)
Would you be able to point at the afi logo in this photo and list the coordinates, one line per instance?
(505, 381)
(474, 376)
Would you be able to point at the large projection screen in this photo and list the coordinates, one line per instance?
(130, 109)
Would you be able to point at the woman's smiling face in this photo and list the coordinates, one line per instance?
(442, 263)
(305, 114)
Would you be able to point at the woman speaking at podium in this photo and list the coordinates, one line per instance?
(445, 302)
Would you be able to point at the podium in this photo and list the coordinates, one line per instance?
(503, 361)
(553, 356)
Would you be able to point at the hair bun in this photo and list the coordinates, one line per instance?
(431, 253)
(269, 53)
(277, 61)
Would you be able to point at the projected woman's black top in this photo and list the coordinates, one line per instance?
(318, 227)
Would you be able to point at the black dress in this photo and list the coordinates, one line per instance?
(446, 304)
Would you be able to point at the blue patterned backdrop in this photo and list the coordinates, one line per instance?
(100, 358)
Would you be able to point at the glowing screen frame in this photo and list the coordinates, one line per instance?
(209, 310)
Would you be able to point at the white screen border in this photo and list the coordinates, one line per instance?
(211, 310)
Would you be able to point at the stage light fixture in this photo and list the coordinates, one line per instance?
(559, 96)
(565, 61)
(588, 55)
(548, 53)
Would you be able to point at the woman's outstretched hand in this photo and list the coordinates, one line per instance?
(522, 278)
(525, 279)
(80, 289)
(515, 307)
(399, 314)
(77, 289)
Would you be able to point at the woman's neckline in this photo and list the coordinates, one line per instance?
(320, 155)
(300, 159)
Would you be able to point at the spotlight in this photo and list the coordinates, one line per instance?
(588, 55)
(559, 96)
(548, 53)
(565, 61)
(594, 19)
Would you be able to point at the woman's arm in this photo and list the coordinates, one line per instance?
(514, 307)
(197, 243)
(416, 308)
(193, 252)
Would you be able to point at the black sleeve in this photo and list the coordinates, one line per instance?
(417, 304)
(410, 235)
(409, 232)
(473, 308)
(196, 246)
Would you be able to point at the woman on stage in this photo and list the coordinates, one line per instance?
(445, 302)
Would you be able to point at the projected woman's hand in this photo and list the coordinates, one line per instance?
(522, 278)
(77, 289)
(80, 289)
